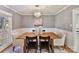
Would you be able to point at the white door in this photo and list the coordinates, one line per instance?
(76, 29)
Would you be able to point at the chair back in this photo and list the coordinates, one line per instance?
(30, 42)
(46, 44)
(43, 30)
(31, 39)
(45, 39)
(63, 38)
(60, 41)
(33, 30)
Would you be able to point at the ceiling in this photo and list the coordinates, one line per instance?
(44, 9)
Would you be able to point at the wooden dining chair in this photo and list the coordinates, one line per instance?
(45, 43)
(43, 30)
(33, 30)
(30, 43)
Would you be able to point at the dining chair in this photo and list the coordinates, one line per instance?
(59, 42)
(30, 43)
(33, 30)
(45, 43)
(43, 30)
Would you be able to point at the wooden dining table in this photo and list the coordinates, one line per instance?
(51, 34)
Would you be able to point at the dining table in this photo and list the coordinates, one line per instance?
(52, 35)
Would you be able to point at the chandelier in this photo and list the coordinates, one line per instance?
(38, 17)
(37, 14)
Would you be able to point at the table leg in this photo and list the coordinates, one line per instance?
(38, 49)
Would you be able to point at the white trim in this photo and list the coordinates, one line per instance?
(5, 13)
(12, 9)
(62, 9)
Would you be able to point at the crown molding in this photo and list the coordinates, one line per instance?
(62, 9)
(32, 14)
(12, 9)
(5, 13)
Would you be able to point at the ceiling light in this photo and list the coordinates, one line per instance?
(37, 14)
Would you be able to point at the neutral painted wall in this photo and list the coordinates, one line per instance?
(63, 20)
(48, 21)
(27, 21)
(16, 21)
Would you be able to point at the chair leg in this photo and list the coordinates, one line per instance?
(48, 48)
(40, 50)
(36, 50)
(52, 49)
(27, 49)
(24, 49)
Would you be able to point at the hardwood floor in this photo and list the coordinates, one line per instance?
(20, 42)
(68, 49)
(5, 46)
